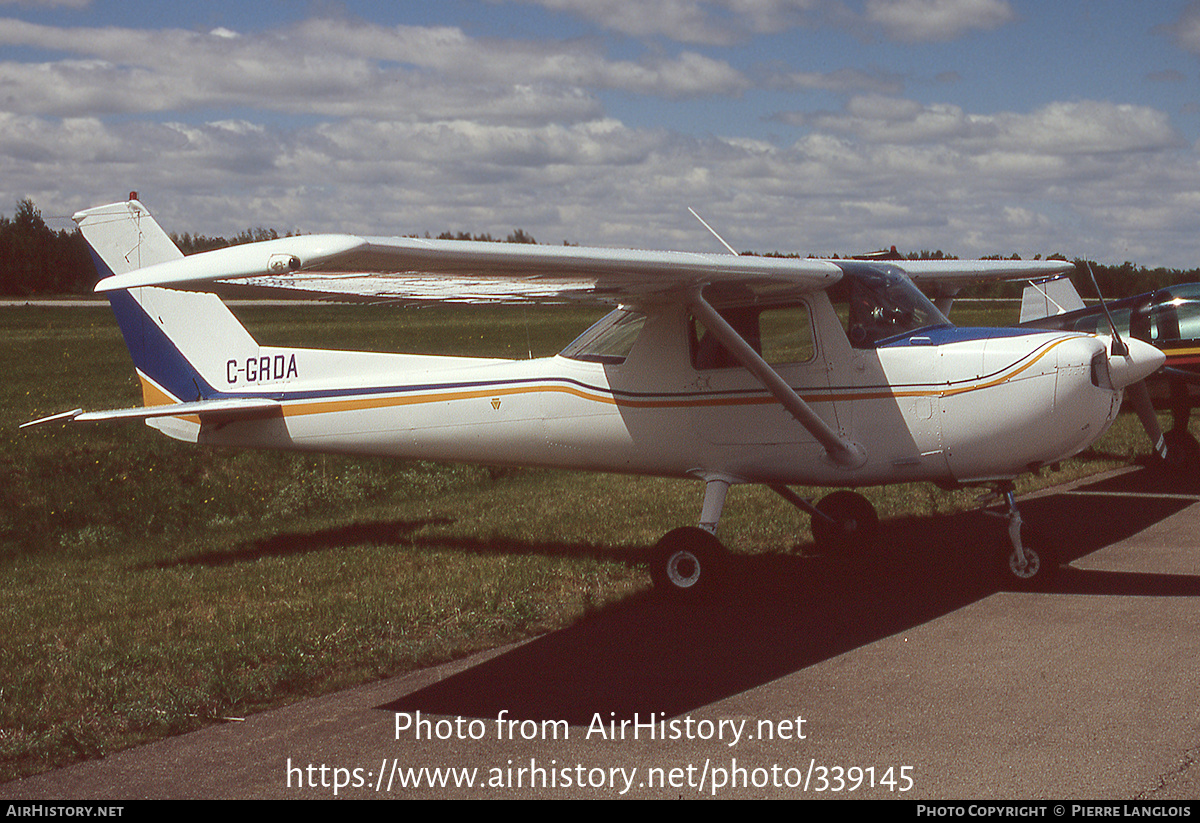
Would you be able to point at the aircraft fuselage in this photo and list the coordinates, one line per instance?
(948, 405)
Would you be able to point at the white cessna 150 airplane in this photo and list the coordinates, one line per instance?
(724, 368)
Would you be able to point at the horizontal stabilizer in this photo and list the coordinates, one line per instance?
(61, 417)
(209, 411)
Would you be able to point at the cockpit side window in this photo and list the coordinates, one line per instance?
(781, 334)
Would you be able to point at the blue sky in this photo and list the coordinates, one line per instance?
(815, 126)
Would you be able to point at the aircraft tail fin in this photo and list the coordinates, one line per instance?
(124, 237)
(1045, 298)
(181, 342)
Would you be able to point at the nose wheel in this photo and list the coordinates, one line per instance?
(1025, 568)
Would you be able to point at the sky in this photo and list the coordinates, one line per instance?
(976, 127)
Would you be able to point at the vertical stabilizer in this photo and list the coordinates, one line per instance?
(180, 342)
(1045, 298)
(124, 237)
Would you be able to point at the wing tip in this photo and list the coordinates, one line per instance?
(65, 417)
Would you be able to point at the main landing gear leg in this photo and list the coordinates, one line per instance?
(1025, 568)
(688, 561)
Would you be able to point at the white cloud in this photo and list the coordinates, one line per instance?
(339, 125)
(727, 22)
(336, 68)
(708, 22)
(1085, 127)
(605, 183)
(1186, 30)
(846, 80)
(936, 20)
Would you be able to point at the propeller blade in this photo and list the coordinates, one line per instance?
(1118, 346)
(1139, 395)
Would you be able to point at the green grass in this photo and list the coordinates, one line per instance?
(148, 587)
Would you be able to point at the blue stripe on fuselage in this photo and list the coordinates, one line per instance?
(939, 335)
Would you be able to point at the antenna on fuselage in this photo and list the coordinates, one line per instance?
(732, 250)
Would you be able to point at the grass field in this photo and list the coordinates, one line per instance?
(149, 587)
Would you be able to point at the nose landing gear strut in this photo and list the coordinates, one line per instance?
(1025, 567)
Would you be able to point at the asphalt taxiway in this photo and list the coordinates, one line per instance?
(916, 678)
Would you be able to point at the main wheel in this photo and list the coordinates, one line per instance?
(687, 562)
(851, 528)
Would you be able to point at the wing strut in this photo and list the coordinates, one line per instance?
(841, 451)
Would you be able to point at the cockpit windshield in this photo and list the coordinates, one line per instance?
(879, 304)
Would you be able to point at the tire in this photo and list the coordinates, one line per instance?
(1037, 573)
(854, 529)
(687, 563)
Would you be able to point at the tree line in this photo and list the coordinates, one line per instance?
(36, 260)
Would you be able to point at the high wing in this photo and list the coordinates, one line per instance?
(415, 269)
(407, 268)
(955, 273)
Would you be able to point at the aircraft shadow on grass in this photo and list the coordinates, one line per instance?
(400, 533)
(291, 544)
(778, 614)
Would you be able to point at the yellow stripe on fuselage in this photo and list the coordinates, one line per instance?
(152, 395)
(360, 403)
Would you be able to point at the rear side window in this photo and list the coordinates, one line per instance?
(609, 340)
